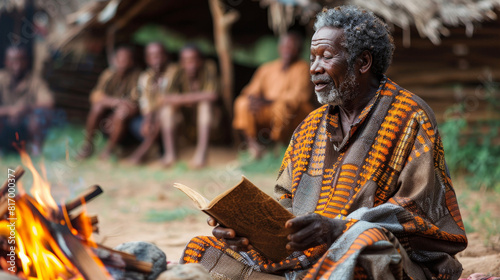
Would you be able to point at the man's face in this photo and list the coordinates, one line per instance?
(335, 81)
(16, 62)
(156, 57)
(288, 49)
(191, 62)
(124, 60)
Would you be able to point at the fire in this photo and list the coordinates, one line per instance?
(46, 244)
(41, 188)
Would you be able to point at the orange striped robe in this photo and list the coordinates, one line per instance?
(387, 176)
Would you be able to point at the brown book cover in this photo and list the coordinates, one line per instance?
(251, 213)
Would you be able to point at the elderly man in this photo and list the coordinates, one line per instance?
(364, 174)
(112, 103)
(276, 99)
(194, 85)
(25, 102)
(152, 85)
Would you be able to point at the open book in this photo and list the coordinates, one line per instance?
(251, 213)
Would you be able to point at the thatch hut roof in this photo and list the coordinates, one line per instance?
(430, 17)
(55, 8)
(192, 19)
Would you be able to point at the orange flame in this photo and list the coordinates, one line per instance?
(41, 188)
(40, 255)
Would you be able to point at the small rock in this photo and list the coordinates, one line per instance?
(146, 252)
(189, 271)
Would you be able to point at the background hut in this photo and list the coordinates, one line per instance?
(446, 50)
(216, 25)
(34, 23)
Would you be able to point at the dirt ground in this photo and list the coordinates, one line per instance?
(140, 204)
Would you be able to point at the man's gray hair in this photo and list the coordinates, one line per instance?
(362, 31)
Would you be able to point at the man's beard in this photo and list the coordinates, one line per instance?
(347, 90)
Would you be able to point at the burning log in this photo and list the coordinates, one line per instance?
(80, 220)
(72, 247)
(4, 206)
(95, 191)
(63, 239)
(18, 173)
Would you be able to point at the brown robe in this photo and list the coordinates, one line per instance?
(290, 90)
(30, 91)
(150, 88)
(110, 84)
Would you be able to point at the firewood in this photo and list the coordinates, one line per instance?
(92, 219)
(131, 263)
(77, 220)
(18, 173)
(3, 207)
(109, 259)
(71, 246)
(95, 191)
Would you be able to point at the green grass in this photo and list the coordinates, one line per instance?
(179, 213)
(269, 163)
(479, 219)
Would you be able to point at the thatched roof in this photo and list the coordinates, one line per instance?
(430, 17)
(55, 8)
(193, 20)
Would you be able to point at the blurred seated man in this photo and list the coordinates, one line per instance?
(276, 99)
(194, 85)
(25, 102)
(112, 98)
(151, 84)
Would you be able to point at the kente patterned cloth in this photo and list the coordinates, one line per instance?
(387, 177)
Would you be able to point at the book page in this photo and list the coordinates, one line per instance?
(199, 200)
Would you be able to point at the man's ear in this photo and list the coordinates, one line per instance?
(365, 60)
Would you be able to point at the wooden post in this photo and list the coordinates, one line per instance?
(222, 36)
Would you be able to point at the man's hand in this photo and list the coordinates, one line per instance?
(312, 230)
(228, 235)
(257, 103)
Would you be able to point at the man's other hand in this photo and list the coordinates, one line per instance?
(228, 236)
(312, 230)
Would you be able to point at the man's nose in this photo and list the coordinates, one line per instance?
(316, 67)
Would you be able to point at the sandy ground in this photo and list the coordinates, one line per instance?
(140, 204)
